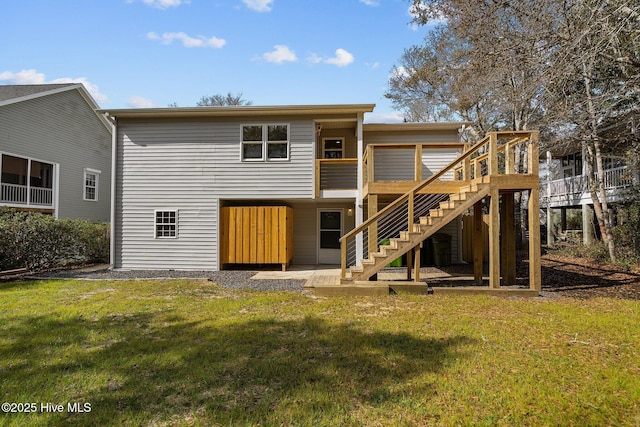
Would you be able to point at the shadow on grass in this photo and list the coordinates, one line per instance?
(158, 367)
(567, 276)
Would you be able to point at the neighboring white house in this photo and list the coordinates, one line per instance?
(55, 151)
(177, 171)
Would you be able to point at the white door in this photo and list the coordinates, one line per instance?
(329, 233)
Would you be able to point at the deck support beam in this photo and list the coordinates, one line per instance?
(478, 243)
(535, 278)
(508, 239)
(494, 238)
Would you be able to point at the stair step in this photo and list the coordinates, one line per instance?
(356, 269)
(424, 220)
(472, 188)
(447, 205)
(406, 235)
(436, 213)
(458, 197)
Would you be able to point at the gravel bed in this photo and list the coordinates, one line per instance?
(230, 279)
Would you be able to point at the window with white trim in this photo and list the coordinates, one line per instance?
(166, 223)
(91, 179)
(265, 142)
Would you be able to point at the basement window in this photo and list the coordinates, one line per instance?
(166, 223)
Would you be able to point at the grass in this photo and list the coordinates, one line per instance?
(192, 353)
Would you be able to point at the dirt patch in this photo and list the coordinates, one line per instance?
(581, 278)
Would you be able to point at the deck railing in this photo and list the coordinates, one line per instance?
(336, 174)
(17, 194)
(616, 178)
(498, 153)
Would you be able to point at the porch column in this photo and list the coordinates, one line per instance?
(550, 238)
(359, 201)
(587, 229)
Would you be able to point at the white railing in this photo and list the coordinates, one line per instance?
(17, 194)
(41, 196)
(613, 179)
(13, 193)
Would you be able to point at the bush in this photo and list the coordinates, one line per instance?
(37, 241)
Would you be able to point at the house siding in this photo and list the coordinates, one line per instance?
(189, 166)
(63, 129)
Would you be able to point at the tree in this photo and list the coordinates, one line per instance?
(567, 67)
(219, 100)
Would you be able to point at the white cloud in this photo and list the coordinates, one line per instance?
(188, 41)
(259, 5)
(32, 77)
(392, 117)
(370, 2)
(415, 11)
(314, 59)
(162, 4)
(373, 66)
(342, 58)
(140, 102)
(280, 54)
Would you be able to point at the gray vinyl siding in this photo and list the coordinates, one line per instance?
(189, 166)
(305, 226)
(62, 128)
(397, 164)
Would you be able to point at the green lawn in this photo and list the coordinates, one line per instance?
(192, 353)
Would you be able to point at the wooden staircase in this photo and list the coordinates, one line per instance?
(409, 239)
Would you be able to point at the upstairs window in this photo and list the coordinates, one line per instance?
(265, 142)
(91, 177)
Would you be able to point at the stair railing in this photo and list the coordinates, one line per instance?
(479, 160)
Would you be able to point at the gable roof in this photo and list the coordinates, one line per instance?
(11, 94)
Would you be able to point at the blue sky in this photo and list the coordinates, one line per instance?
(150, 53)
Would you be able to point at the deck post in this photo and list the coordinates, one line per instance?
(409, 264)
(358, 208)
(535, 279)
(417, 168)
(494, 238)
(478, 243)
(372, 209)
(508, 239)
(416, 263)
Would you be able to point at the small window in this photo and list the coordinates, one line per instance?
(166, 224)
(91, 178)
(265, 142)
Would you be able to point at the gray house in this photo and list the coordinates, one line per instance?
(55, 151)
(208, 187)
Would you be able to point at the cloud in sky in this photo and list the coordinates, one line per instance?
(392, 117)
(140, 102)
(370, 2)
(33, 77)
(188, 41)
(162, 4)
(259, 5)
(280, 54)
(342, 58)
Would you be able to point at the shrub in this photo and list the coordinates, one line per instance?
(37, 241)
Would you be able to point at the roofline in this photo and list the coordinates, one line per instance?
(414, 126)
(243, 110)
(74, 86)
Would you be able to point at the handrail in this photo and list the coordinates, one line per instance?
(415, 189)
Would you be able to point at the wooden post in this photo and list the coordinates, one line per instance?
(372, 209)
(478, 243)
(410, 212)
(535, 278)
(508, 239)
(370, 165)
(493, 153)
(318, 168)
(466, 165)
(509, 160)
(416, 263)
(417, 168)
(494, 239)
(409, 264)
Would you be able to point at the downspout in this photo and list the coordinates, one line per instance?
(112, 215)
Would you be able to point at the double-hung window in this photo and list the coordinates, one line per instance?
(91, 177)
(265, 142)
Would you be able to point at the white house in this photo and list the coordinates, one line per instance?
(200, 188)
